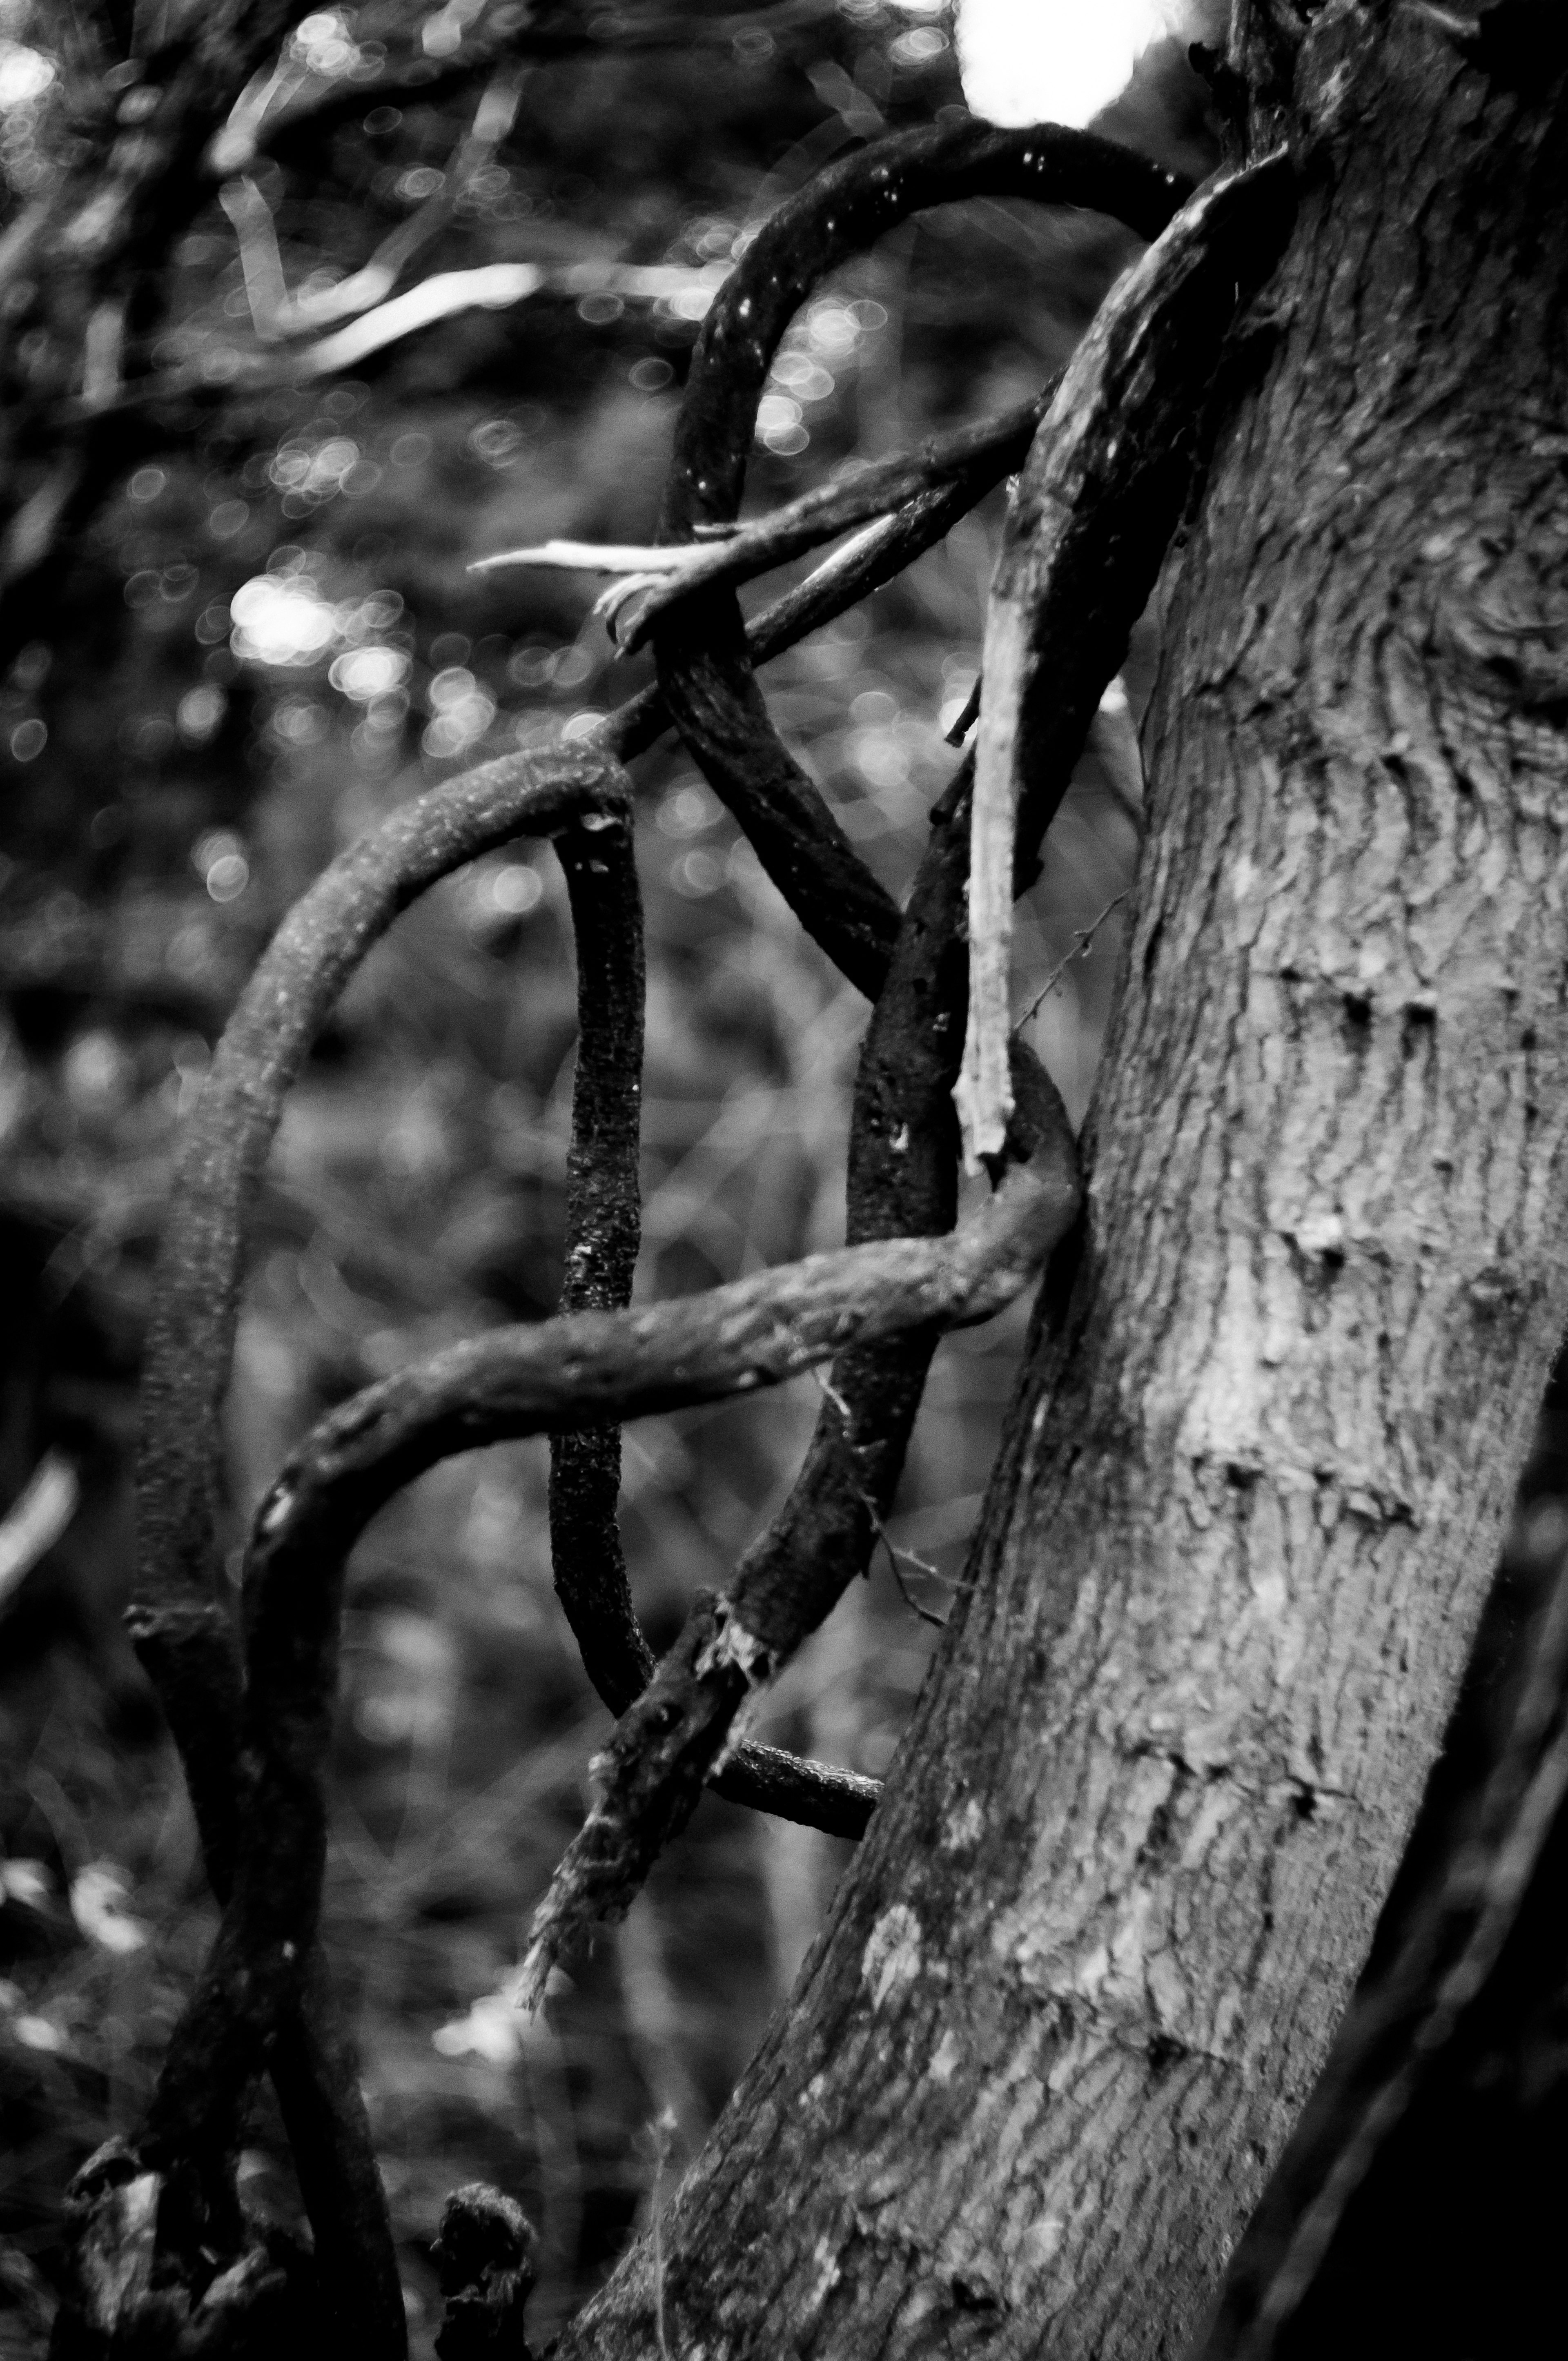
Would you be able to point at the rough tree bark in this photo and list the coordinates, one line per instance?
(1091, 1955)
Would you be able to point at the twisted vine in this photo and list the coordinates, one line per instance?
(253, 1726)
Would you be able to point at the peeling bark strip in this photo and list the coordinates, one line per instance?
(124, 2302)
(1082, 1972)
(1100, 497)
(704, 672)
(563, 1372)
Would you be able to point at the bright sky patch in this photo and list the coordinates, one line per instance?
(1052, 61)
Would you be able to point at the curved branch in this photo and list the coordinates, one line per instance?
(704, 671)
(183, 1634)
(306, 966)
(845, 208)
(582, 1367)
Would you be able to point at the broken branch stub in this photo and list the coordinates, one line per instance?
(1100, 497)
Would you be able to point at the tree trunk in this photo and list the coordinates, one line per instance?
(1090, 1958)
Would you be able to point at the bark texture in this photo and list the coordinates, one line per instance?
(1090, 1956)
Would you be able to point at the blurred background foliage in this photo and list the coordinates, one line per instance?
(262, 640)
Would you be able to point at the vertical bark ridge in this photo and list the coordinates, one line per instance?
(1087, 1964)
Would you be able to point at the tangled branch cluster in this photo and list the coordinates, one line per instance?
(1105, 479)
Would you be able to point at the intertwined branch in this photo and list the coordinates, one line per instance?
(253, 1720)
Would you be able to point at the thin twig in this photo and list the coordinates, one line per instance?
(286, 103)
(276, 315)
(222, 370)
(661, 576)
(1082, 944)
(895, 1556)
(968, 714)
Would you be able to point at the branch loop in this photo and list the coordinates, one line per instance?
(705, 673)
